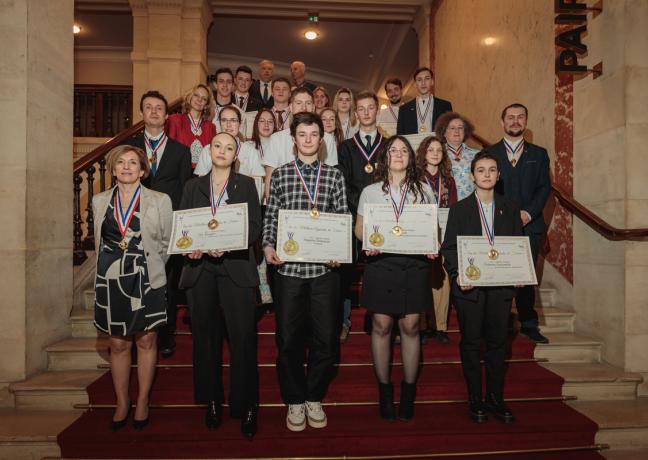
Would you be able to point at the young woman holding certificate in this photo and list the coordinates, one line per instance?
(132, 227)
(483, 312)
(221, 293)
(395, 285)
(433, 160)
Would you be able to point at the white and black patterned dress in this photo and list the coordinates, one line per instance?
(125, 303)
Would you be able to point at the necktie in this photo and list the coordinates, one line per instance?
(368, 137)
(153, 159)
(280, 120)
(241, 101)
(265, 92)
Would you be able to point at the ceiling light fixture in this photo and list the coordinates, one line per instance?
(76, 29)
(313, 27)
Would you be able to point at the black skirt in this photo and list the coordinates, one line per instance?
(397, 285)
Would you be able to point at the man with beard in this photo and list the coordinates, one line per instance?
(388, 117)
(524, 180)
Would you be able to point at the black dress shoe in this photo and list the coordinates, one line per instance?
(140, 424)
(477, 410)
(533, 333)
(119, 424)
(442, 337)
(167, 346)
(249, 422)
(214, 415)
(496, 406)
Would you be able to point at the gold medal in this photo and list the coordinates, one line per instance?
(123, 244)
(376, 239)
(314, 213)
(291, 247)
(368, 168)
(493, 254)
(422, 129)
(397, 230)
(212, 224)
(473, 273)
(184, 242)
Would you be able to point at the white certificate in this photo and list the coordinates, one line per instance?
(416, 139)
(418, 225)
(192, 229)
(442, 214)
(510, 263)
(302, 238)
(389, 128)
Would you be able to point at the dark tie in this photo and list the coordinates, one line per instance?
(241, 101)
(265, 93)
(280, 120)
(153, 159)
(368, 137)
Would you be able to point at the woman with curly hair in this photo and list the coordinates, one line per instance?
(396, 285)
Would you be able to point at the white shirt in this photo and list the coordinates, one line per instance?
(421, 105)
(488, 214)
(280, 150)
(374, 194)
(160, 152)
(363, 136)
(248, 156)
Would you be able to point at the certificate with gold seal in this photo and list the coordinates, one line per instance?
(512, 266)
(415, 233)
(303, 238)
(194, 229)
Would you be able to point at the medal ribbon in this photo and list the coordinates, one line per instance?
(490, 233)
(124, 219)
(362, 147)
(376, 228)
(312, 195)
(437, 197)
(393, 113)
(511, 151)
(291, 235)
(427, 110)
(398, 209)
(213, 201)
(196, 126)
(149, 147)
(456, 153)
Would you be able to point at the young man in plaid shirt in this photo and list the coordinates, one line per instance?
(307, 293)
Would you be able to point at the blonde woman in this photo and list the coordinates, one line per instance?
(344, 105)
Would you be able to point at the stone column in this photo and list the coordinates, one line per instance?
(36, 91)
(169, 46)
(422, 25)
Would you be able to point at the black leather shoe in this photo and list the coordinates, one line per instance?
(116, 425)
(386, 401)
(477, 410)
(214, 415)
(140, 424)
(442, 337)
(249, 422)
(167, 346)
(533, 333)
(496, 406)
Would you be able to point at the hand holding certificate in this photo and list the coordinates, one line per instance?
(198, 229)
(302, 237)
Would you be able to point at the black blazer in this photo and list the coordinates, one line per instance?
(464, 220)
(253, 104)
(174, 169)
(240, 265)
(407, 121)
(255, 91)
(528, 184)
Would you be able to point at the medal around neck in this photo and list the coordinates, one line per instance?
(314, 213)
(291, 247)
(215, 202)
(312, 191)
(124, 218)
(367, 153)
(368, 168)
(397, 230)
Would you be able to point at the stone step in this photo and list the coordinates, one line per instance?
(31, 435)
(564, 347)
(596, 381)
(546, 297)
(54, 390)
(622, 424)
(554, 319)
(77, 353)
(624, 454)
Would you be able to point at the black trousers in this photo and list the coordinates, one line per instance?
(488, 317)
(173, 269)
(525, 298)
(306, 315)
(220, 308)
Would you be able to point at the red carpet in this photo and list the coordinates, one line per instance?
(439, 426)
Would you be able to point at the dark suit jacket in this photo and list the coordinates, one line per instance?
(240, 265)
(352, 162)
(528, 184)
(255, 91)
(464, 220)
(174, 169)
(407, 119)
(253, 104)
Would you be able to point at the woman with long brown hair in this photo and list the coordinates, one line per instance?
(396, 285)
(434, 163)
(332, 124)
(344, 105)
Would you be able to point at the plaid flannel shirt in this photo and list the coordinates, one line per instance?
(287, 192)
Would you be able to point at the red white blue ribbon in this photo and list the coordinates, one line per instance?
(456, 152)
(213, 200)
(490, 233)
(124, 218)
(149, 147)
(363, 148)
(398, 208)
(513, 151)
(425, 115)
(196, 126)
(312, 194)
(437, 197)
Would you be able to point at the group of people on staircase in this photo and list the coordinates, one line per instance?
(308, 153)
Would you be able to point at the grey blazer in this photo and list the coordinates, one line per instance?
(156, 216)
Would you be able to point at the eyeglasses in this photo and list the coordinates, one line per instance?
(226, 121)
(403, 152)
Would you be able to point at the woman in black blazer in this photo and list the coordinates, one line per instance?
(221, 290)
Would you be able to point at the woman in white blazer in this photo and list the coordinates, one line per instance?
(132, 230)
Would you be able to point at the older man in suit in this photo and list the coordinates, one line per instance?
(420, 114)
(170, 168)
(262, 88)
(524, 180)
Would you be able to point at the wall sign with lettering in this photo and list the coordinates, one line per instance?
(569, 40)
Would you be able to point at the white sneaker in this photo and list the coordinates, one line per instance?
(296, 418)
(316, 415)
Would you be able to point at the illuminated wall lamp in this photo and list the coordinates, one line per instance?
(76, 29)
